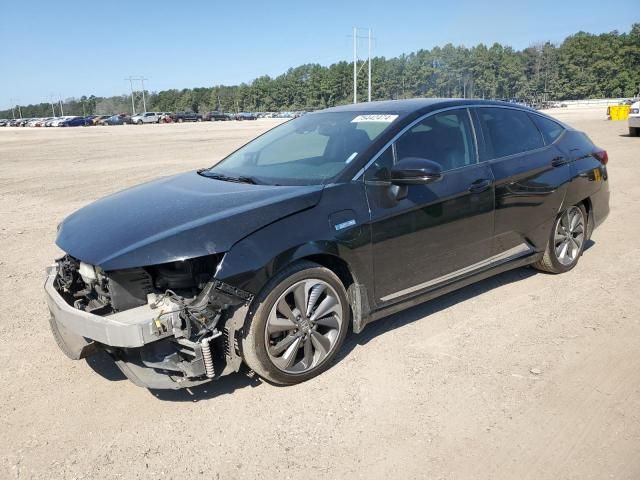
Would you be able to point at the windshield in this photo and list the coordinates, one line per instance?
(308, 150)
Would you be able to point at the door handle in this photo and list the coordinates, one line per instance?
(480, 185)
(559, 161)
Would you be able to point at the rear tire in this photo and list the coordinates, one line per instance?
(634, 131)
(566, 241)
(287, 339)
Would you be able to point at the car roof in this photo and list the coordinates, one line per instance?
(415, 104)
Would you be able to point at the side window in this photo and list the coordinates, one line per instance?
(550, 130)
(507, 131)
(380, 169)
(445, 138)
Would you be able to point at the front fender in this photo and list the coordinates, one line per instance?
(251, 262)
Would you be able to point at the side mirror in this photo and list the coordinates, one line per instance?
(415, 171)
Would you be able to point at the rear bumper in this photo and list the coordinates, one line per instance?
(634, 122)
(600, 201)
(129, 329)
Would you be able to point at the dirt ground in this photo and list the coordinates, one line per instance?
(522, 376)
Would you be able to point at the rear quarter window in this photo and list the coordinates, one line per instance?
(508, 132)
(550, 130)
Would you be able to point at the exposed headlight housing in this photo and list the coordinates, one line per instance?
(88, 273)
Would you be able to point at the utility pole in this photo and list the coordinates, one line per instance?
(355, 63)
(13, 107)
(369, 74)
(133, 103)
(144, 103)
(16, 105)
(61, 108)
(51, 100)
(141, 79)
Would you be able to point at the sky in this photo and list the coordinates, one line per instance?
(73, 48)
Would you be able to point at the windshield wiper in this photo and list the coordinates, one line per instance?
(227, 178)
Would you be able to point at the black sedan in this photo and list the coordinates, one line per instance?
(180, 117)
(327, 222)
(116, 120)
(216, 117)
(246, 116)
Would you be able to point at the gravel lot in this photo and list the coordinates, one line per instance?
(522, 376)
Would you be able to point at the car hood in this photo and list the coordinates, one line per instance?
(175, 218)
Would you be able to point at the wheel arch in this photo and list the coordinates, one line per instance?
(588, 206)
(323, 253)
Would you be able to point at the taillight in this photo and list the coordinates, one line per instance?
(602, 155)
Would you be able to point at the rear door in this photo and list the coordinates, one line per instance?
(435, 232)
(531, 177)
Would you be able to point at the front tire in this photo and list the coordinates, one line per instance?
(298, 324)
(566, 242)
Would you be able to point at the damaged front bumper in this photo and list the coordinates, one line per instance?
(148, 342)
(129, 329)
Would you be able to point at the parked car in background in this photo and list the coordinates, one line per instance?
(4, 122)
(146, 117)
(216, 116)
(73, 122)
(186, 117)
(121, 119)
(246, 116)
(165, 117)
(97, 119)
(43, 122)
(634, 119)
(59, 120)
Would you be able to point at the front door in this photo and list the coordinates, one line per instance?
(430, 234)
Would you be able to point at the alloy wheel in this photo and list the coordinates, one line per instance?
(304, 326)
(569, 236)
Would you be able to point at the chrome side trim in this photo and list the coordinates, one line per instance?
(511, 254)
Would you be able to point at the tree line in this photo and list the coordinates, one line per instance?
(583, 66)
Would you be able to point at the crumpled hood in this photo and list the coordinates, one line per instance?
(175, 218)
